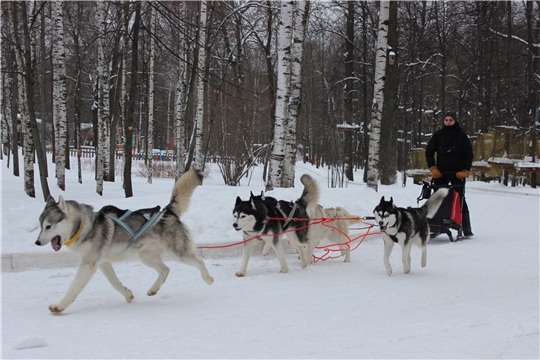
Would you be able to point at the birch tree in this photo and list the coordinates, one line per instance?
(199, 113)
(180, 98)
(103, 149)
(378, 96)
(59, 94)
(151, 89)
(294, 103)
(389, 123)
(28, 141)
(277, 156)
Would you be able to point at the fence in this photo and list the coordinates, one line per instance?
(169, 157)
(504, 150)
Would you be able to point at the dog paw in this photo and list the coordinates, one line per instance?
(55, 309)
(209, 280)
(283, 271)
(240, 274)
(130, 298)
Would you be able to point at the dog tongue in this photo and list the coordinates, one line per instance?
(55, 243)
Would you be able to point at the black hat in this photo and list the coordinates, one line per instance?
(451, 114)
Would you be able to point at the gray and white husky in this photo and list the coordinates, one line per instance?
(266, 218)
(100, 238)
(406, 226)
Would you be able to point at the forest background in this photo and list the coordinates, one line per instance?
(202, 79)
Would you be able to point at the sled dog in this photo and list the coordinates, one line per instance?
(337, 231)
(266, 218)
(405, 226)
(112, 234)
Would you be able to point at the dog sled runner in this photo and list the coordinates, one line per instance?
(449, 215)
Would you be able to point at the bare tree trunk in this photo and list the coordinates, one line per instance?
(104, 133)
(201, 64)
(130, 113)
(13, 118)
(348, 158)
(534, 79)
(378, 97)
(277, 158)
(296, 92)
(59, 97)
(28, 151)
(151, 90)
(389, 125)
(181, 100)
(26, 96)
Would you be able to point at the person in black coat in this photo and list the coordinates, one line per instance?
(454, 160)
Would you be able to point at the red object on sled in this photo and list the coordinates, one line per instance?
(448, 216)
(455, 213)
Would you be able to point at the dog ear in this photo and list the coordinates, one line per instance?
(392, 201)
(251, 196)
(382, 199)
(50, 201)
(262, 195)
(62, 204)
(253, 204)
(238, 200)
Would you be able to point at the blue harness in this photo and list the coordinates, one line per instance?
(150, 221)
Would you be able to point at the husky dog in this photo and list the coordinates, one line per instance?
(337, 231)
(405, 226)
(102, 237)
(266, 218)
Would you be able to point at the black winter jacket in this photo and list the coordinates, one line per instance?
(453, 148)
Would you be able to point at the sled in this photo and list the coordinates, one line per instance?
(449, 214)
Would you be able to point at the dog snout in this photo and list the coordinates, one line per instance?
(38, 243)
(381, 224)
(235, 225)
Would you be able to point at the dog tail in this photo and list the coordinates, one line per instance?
(352, 219)
(182, 191)
(432, 205)
(311, 192)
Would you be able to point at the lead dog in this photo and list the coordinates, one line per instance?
(100, 238)
(266, 218)
(406, 226)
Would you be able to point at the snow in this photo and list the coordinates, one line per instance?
(476, 298)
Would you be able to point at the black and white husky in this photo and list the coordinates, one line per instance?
(266, 218)
(113, 234)
(406, 226)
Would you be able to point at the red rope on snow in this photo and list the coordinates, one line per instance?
(327, 248)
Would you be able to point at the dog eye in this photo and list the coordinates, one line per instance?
(47, 227)
(243, 216)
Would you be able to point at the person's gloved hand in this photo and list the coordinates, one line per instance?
(435, 172)
(462, 174)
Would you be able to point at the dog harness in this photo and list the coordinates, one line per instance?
(135, 235)
(289, 218)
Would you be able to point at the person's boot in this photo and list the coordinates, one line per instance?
(467, 231)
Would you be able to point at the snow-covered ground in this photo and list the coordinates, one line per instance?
(477, 298)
